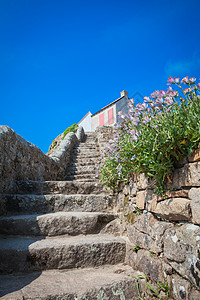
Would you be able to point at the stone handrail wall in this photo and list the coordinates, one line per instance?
(162, 232)
(21, 160)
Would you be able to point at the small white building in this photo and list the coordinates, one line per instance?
(107, 116)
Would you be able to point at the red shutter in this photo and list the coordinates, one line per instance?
(110, 116)
(101, 119)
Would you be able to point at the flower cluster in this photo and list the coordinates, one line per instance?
(149, 139)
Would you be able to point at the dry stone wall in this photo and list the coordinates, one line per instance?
(162, 232)
(21, 160)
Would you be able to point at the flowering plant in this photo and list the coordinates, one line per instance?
(154, 135)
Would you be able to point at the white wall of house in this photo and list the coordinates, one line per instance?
(86, 123)
(95, 118)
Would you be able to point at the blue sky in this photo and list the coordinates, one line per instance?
(59, 58)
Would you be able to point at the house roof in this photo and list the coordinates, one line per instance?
(107, 106)
(84, 117)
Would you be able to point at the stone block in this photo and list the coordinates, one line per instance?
(188, 175)
(194, 195)
(181, 249)
(142, 182)
(142, 198)
(195, 156)
(150, 265)
(175, 209)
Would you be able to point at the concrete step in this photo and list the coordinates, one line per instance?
(25, 254)
(59, 187)
(107, 282)
(33, 204)
(54, 224)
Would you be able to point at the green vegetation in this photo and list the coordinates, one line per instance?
(154, 136)
(72, 128)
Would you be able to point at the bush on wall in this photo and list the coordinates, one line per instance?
(154, 135)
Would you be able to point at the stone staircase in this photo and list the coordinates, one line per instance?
(53, 245)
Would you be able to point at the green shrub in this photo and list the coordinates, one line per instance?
(72, 128)
(154, 136)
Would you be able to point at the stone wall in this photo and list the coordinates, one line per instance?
(162, 232)
(21, 160)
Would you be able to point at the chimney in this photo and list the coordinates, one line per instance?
(124, 94)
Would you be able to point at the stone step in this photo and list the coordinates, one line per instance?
(25, 254)
(59, 187)
(33, 204)
(54, 224)
(82, 170)
(85, 161)
(86, 176)
(107, 282)
(87, 146)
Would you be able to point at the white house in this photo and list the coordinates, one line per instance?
(107, 116)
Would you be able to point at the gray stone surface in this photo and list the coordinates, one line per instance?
(56, 202)
(181, 249)
(108, 282)
(54, 224)
(175, 209)
(194, 195)
(60, 187)
(188, 175)
(21, 160)
(29, 254)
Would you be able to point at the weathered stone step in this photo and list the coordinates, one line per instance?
(86, 176)
(85, 160)
(107, 282)
(31, 204)
(20, 254)
(87, 146)
(73, 170)
(54, 224)
(59, 187)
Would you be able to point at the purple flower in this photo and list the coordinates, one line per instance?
(133, 157)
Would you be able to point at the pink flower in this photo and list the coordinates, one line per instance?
(186, 91)
(155, 94)
(176, 80)
(121, 115)
(141, 107)
(159, 100)
(132, 101)
(185, 80)
(192, 80)
(198, 85)
(135, 121)
(169, 101)
(146, 99)
(146, 119)
(161, 93)
(171, 80)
